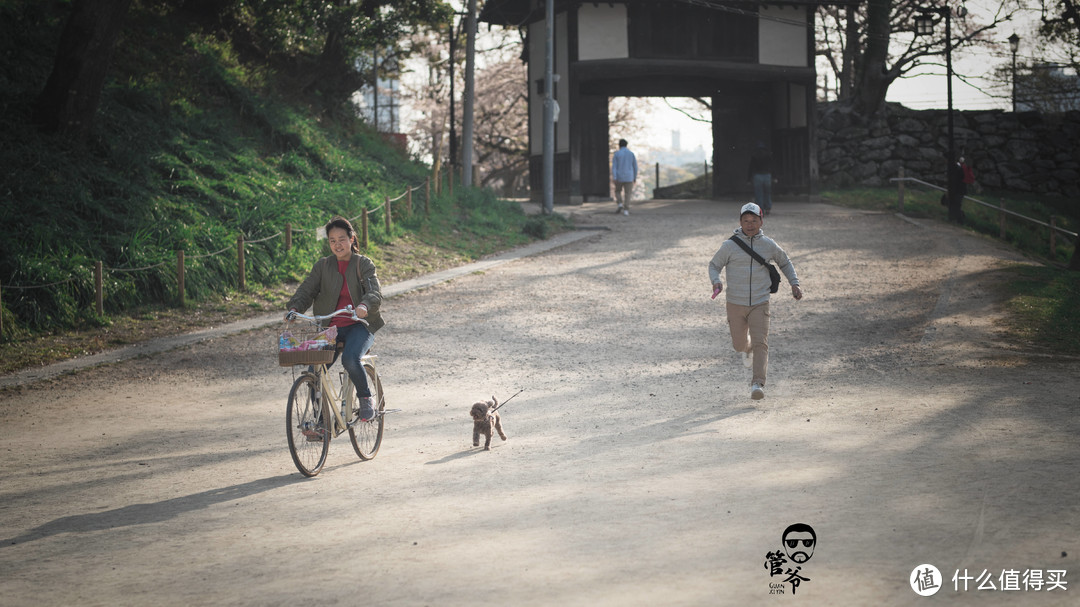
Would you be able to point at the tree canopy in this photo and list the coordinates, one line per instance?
(315, 45)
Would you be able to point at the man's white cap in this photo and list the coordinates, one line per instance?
(750, 208)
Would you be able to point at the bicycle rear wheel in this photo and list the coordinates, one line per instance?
(305, 425)
(367, 436)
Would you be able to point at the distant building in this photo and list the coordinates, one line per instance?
(1048, 88)
(380, 106)
(754, 60)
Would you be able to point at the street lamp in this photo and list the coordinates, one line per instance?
(924, 26)
(1014, 45)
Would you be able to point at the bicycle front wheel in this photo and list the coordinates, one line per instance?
(367, 436)
(305, 425)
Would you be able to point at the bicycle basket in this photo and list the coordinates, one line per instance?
(308, 347)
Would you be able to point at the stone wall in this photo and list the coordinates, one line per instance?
(1023, 152)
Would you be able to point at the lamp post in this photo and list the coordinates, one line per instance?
(1014, 45)
(924, 26)
(453, 134)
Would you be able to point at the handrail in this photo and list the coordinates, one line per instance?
(988, 205)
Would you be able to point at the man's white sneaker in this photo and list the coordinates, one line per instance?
(619, 209)
(625, 212)
(747, 359)
(757, 392)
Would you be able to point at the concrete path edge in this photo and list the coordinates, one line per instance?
(164, 344)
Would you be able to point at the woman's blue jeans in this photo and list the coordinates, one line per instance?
(358, 340)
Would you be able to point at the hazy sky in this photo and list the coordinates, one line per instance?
(924, 89)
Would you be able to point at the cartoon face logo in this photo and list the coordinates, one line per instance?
(799, 541)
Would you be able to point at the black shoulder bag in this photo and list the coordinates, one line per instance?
(774, 274)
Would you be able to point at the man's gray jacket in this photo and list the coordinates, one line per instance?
(748, 281)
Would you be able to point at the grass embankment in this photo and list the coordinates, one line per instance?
(194, 146)
(1043, 300)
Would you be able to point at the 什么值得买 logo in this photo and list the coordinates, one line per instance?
(797, 547)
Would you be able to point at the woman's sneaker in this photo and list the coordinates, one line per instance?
(367, 408)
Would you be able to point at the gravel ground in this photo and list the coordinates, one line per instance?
(897, 423)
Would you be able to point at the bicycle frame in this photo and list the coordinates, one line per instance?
(331, 407)
(330, 395)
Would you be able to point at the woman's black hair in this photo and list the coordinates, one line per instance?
(342, 223)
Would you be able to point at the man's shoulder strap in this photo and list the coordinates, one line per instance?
(757, 257)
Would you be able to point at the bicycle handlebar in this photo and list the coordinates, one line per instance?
(349, 310)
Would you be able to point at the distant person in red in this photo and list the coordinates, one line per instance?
(342, 279)
(960, 176)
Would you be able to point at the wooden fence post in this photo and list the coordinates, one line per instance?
(427, 197)
(1053, 236)
(180, 275)
(389, 220)
(450, 178)
(900, 187)
(1001, 219)
(99, 298)
(288, 237)
(1, 315)
(408, 200)
(363, 230)
(240, 259)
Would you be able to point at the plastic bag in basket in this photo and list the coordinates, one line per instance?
(324, 340)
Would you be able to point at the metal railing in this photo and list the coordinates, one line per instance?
(100, 269)
(1000, 208)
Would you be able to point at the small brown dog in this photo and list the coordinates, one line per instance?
(484, 417)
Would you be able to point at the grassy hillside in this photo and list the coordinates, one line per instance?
(193, 146)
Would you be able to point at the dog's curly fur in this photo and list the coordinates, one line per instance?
(484, 418)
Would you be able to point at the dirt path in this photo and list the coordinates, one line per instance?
(638, 471)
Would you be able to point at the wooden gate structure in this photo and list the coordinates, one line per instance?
(753, 60)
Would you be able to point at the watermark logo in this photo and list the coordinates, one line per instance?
(925, 580)
(797, 545)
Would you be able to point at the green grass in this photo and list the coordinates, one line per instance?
(1032, 239)
(192, 147)
(1043, 301)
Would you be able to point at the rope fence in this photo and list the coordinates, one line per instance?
(181, 257)
(1054, 229)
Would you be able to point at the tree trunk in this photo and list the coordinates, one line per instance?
(851, 51)
(71, 95)
(874, 77)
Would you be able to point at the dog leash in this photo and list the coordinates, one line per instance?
(507, 400)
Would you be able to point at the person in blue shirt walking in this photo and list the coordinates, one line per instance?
(624, 174)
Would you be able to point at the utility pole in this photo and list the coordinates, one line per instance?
(470, 94)
(1014, 45)
(453, 133)
(549, 108)
(375, 87)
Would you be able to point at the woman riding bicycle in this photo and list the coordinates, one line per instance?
(345, 278)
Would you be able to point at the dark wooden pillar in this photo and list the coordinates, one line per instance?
(741, 118)
(591, 120)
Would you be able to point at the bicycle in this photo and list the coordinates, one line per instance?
(313, 416)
